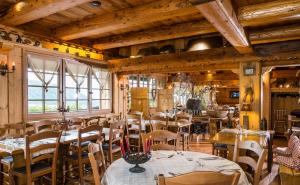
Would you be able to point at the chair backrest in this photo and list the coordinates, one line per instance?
(185, 116)
(113, 117)
(15, 130)
(156, 121)
(255, 165)
(116, 132)
(94, 137)
(76, 123)
(201, 178)
(43, 125)
(160, 139)
(35, 151)
(280, 115)
(134, 119)
(97, 160)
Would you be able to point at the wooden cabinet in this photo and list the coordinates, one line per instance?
(165, 100)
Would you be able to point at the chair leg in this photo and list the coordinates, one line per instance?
(80, 172)
(53, 180)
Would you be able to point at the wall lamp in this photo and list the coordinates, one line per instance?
(4, 69)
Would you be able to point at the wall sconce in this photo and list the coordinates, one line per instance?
(4, 69)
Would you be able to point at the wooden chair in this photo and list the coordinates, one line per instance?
(116, 134)
(163, 122)
(16, 130)
(255, 165)
(161, 139)
(185, 131)
(200, 178)
(134, 129)
(79, 156)
(37, 159)
(76, 123)
(97, 161)
(280, 120)
(44, 125)
(217, 149)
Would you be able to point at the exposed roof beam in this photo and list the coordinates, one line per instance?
(220, 58)
(156, 34)
(190, 29)
(26, 11)
(143, 14)
(269, 12)
(275, 34)
(221, 15)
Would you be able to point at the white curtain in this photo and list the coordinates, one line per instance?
(40, 64)
(102, 76)
(77, 71)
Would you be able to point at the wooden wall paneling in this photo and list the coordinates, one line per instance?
(3, 92)
(165, 100)
(15, 85)
(140, 100)
(223, 96)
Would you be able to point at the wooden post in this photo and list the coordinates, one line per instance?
(255, 82)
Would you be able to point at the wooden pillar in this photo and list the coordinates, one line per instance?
(266, 98)
(120, 94)
(254, 81)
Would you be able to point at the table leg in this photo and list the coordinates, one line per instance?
(270, 152)
(63, 149)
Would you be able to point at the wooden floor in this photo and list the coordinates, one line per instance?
(205, 147)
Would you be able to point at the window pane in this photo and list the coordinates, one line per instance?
(70, 82)
(83, 94)
(72, 105)
(71, 94)
(105, 94)
(54, 81)
(96, 94)
(35, 93)
(52, 94)
(82, 105)
(85, 83)
(96, 104)
(33, 79)
(95, 84)
(105, 104)
(35, 107)
(51, 106)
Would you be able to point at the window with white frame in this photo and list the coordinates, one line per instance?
(43, 84)
(101, 85)
(85, 88)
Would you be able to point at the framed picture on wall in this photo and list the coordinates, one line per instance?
(249, 70)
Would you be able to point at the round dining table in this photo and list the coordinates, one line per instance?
(169, 163)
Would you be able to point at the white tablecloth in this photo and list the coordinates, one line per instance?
(181, 163)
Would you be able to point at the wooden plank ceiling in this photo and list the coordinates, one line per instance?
(119, 23)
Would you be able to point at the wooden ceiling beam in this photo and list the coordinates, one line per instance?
(180, 30)
(275, 34)
(143, 14)
(27, 11)
(269, 12)
(212, 59)
(221, 15)
(190, 29)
